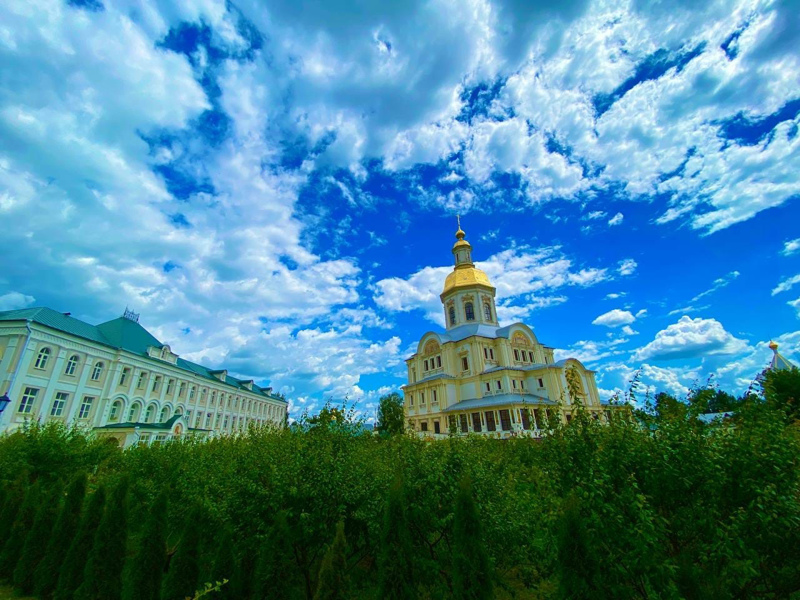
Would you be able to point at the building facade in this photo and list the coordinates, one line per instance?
(478, 377)
(119, 380)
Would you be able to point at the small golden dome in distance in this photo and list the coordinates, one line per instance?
(773, 346)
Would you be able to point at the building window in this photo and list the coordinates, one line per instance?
(58, 404)
(516, 354)
(97, 371)
(464, 363)
(411, 399)
(486, 353)
(541, 383)
(115, 410)
(436, 428)
(160, 438)
(490, 425)
(225, 422)
(144, 439)
(164, 415)
(86, 407)
(499, 384)
(476, 422)
(140, 383)
(208, 421)
(514, 383)
(191, 392)
(469, 312)
(491, 353)
(217, 420)
(124, 377)
(425, 364)
(463, 422)
(170, 385)
(488, 387)
(28, 399)
(41, 360)
(439, 361)
(197, 420)
(452, 312)
(72, 364)
(149, 414)
(182, 389)
(423, 426)
(487, 312)
(156, 383)
(422, 397)
(435, 398)
(133, 413)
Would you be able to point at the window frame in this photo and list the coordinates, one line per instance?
(28, 400)
(72, 364)
(43, 358)
(86, 403)
(97, 370)
(59, 403)
(469, 311)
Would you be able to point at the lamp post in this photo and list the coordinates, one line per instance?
(4, 401)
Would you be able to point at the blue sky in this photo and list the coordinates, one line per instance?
(273, 185)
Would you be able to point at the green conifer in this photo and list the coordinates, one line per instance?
(36, 542)
(144, 571)
(332, 584)
(12, 549)
(183, 576)
(46, 575)
(275, 572)
(395, 570)
(71, 572)
(224, 565)
(14, 497)
(472, 578)
(102, 577)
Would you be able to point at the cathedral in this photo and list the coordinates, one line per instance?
(479, 377)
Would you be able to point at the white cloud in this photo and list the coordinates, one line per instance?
(590, 351)
(628, 330)
(627, 267)
(691, 338)
(14, 300)
(790, 247)
(786, 285)
(615, 295)
(796, 305)
(718, 283)
(615, 318)
(525, 280)
(616, 219)
(595, 214)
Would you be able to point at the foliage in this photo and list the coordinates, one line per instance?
(66, 526)
(332, 583)
(395, 558)
(782, 391)
(184, 569)
(391, 416)
(71, 573)
(102, 577)
(143, 571)
(663, 506)
(472, 577)
(36, 541)
(23, 522)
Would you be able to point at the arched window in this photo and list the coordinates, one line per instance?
(164, 415)
(116, 408)
(179, 410)
(452, 315)
(133, 413)
(72, 364)
(97, 371)
(149, 414)
(469, 312)
(487, 311)
(41, 360)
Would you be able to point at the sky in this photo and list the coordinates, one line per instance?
(273, 185)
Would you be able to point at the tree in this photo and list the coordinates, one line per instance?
(395, 569)
(332, 583)
(391, 416)
(669, 407)
(143, 572)
(782, 391)
(102, 577)
(576, 563)
(19, 530)
(71, 573)
(14, 497)
(46, 575)
(472, 577)
(224, 564)
(275, 571)
(184, 569)
(36, 542)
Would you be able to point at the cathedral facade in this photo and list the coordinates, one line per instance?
(479, 377)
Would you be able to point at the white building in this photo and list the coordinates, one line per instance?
(119, 380)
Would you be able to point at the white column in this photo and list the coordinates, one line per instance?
(79, 389)
(58, 369)
(14, 393)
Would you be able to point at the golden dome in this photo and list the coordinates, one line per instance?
(773, 346)
(465, 277)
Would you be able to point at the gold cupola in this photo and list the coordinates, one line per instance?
(465, 274)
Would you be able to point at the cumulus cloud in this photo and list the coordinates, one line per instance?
(627, 267)
(786, 284)
(615, 318)
(790, 247)
(14, 300)
(690, 338)
(616, 219)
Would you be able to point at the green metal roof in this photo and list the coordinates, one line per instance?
(120, 333)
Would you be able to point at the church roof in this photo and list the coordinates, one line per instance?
(498, 400)
(465, 277)
(778, 362)
(121, 333)
(462, 332)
